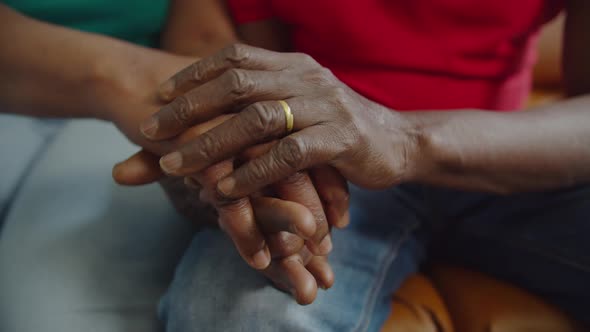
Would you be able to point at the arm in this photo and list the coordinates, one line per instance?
(197, 27)
(270, 34)
(370, 145)
(538, 149)
(203, 27)
(49, 70)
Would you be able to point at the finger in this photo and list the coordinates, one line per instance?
(141, 168)
(185, 199)
(319, 267)
(274, 215)
(255, 151)
(197, 130)
(299, 188)
(333, 191)
(256, 124)
(237, 219)
(288, 274)
(231, 91)
(284, 244)
(302, 282)
(234, 56)
(301, 150)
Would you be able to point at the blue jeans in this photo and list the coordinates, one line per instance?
(539, 242)
(78, 253)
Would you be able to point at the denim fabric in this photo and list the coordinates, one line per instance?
(215, 291)
(538, 241)
(79, 253)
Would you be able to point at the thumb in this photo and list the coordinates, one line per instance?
(141, 168)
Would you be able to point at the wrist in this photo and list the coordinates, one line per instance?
(418, 148)
(113, 78)
(133, 73)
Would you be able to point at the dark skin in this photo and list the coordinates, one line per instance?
(369, 144)
(186, 35)
(87, 75)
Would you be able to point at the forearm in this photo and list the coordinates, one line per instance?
(197, 27)
(53, 71)
(505, 152)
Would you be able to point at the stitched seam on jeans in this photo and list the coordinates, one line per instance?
(387, 260)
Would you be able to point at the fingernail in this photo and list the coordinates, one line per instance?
(166, 89)
(326, 245)
(171, 162)
(149, 127)
(322, 286)
(226, 186)
(346, 218)
(261, 259)
(116, 172)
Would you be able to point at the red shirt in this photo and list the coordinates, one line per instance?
(418, 54)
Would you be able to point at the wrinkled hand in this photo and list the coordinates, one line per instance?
(293, 267)
(241, 226)
(283, 223)
(131, 103)
(370, 145)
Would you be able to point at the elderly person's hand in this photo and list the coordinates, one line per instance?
(333, 125)
(293, 267)
(283, 223)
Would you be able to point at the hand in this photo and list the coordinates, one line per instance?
(293, 267)
(237, 217)
(127, 98)
(370, 145)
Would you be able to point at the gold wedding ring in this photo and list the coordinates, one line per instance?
(288, 115)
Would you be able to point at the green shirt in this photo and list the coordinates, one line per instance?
(137, 21)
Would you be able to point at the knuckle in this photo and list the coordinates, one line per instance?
(182, 110)
(236, 53)
(338, 96)
(297, 180)
(196, 71)
(262, 118)
(320, 76)
(306, 59)
(339, 99)
(284, 244)
(240, 84)
(258, 172)
(235, 212)
(206, 148)
(293, 152)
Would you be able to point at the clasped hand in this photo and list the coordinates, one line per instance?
(230, 136)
